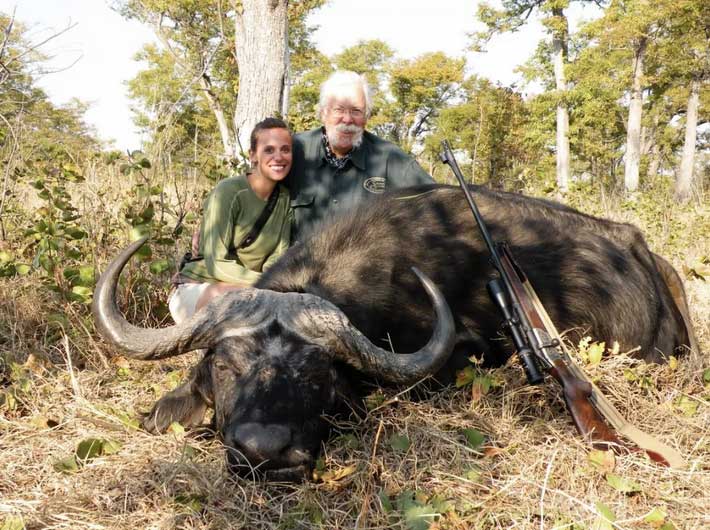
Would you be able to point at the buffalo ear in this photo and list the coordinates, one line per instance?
(187, 404)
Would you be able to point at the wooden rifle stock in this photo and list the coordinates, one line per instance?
(576, 392)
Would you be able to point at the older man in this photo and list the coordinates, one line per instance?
(341, 164)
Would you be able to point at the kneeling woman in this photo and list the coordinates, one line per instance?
(246, 224)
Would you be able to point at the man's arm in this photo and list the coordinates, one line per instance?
(417, 173)
(403, 170)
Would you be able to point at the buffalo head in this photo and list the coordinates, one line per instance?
(275, 365)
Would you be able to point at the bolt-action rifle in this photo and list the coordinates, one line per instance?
(540, 348)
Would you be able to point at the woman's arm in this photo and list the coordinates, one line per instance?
(216, 240)
(284, 241)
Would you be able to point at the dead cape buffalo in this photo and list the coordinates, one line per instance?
(295, 348)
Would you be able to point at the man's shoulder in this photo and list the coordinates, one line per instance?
(306, 145)
(376, 144)
(402, 168)
(307, 137)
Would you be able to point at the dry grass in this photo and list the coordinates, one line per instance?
(532, 472)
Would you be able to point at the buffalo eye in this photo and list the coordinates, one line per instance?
(221, 368)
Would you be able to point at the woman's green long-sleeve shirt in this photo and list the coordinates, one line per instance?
(230, 211)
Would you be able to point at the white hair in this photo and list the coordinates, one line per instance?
(341, 84)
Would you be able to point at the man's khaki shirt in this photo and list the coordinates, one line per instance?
(320, 191)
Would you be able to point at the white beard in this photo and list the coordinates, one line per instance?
(353, 142)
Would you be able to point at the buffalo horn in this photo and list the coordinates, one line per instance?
(325, 325)
(245, 312)
(234, 316)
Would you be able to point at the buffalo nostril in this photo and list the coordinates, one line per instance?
(260, 441)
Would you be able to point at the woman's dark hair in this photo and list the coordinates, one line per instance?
(268, 123)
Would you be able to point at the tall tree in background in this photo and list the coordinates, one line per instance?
(632, 22)
(193, 33)
(665, 44)
(419, 89)
(233, 54)
(687, 47)
(511, 17)
(39, 141)
(374, 59)
(489, 125)
(261, 44)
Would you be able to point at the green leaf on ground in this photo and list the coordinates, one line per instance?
(607, 517)
(595, 352)
(656, 517)
(386, 502)
(94, 447)
(111, 447)
(194, 503)
(348, 441)
(81, 293)
(374, 400)
(176, 428)
(88, 449)
(465, 377)
(66, 465)
(474, 475)
(418, 515)
(687, 405)
(622, 484)
(603, 461)
(400, 442)
(474, 438)
(12, 522)
(126, 419)
(22, 269)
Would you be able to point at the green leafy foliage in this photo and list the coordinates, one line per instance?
(656, 517)
(481, 382)
(603, 461)
(190, 502)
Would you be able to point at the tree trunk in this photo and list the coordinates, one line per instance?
(633, 130)
(559, 47)
(684, 183)
(651, 148)
(261, 48)
(224, 131)
(654, 161)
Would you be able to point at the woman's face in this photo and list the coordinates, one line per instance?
(273, 156)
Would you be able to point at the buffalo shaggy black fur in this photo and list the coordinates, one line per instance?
(595, 277)
(269, 391)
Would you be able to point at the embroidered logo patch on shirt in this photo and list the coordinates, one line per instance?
(375, 184)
